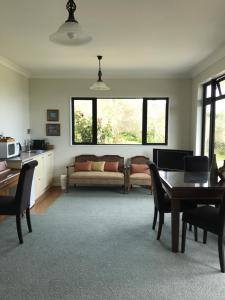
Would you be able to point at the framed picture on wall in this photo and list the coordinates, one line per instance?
(52, 115)
(53, 129)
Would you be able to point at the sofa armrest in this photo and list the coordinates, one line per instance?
(128, 169)
(68, 176)
(68, 169)
(124, 170)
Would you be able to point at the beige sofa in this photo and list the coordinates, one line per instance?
(91, 178)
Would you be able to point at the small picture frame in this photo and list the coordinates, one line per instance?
(52, 129)
(52, 115)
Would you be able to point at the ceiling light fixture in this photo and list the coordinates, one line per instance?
(99, 85)
(70, 33)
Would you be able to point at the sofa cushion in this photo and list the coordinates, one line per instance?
(97, 175)
(140, 179)
(111, 166)
(140, 168)
(82, 166)
(97, 178)
(140, 176)
(97, 166)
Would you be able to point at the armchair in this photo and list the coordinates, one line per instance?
(138, 172)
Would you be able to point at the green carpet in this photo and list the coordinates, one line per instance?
(98, 244)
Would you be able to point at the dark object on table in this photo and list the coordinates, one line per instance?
(196, 164)
(209, 219)
(214, 170)
(16, 206)
(170, 159)
(162, 200)
(221, 171)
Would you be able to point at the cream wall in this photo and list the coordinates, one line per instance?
(14, 104)
(214, 70)
(56, 93)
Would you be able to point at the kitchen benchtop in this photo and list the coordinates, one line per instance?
(26, 156)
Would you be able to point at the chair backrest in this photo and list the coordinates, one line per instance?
(196, 164)
(109, 158)
(139, 160)
(158, 191)
(222, 215)
(23, 191)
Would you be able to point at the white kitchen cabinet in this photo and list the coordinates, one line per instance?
(43, 174)
(49, 159)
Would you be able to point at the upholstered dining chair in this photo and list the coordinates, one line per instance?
(161, 200)
(198, 164)
(138, 172)
(210, 219)
(20, 203)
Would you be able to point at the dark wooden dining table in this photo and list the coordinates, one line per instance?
(187, 186)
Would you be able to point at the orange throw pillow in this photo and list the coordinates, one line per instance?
(140, 168)
(82, 166)
(111, 166)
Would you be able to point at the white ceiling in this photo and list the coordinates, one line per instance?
(137, 38)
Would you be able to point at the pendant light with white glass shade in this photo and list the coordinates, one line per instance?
(99, 85)
(70, 33)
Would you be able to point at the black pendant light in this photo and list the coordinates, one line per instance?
(99, 85)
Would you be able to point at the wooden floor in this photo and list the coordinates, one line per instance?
(44, 202)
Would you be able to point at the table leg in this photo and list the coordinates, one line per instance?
(175, 224)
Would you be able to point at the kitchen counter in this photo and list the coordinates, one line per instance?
(24, 157)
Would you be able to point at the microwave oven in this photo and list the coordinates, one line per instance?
(9, 149)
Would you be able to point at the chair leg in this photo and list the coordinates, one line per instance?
(184, 229)
(28, 220)
(161, 221)
(155, 218)
(204, 236)
(221, 253)
(196, 233)
(18, 226)
(190, 227)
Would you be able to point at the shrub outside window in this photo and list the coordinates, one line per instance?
(120, 121)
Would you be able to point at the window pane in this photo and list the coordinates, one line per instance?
(156, 121)
(219, 149)
(222, 87)
(83, 121)
(217, 91)
(119, 121)
(208, 91)
(207, 129)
